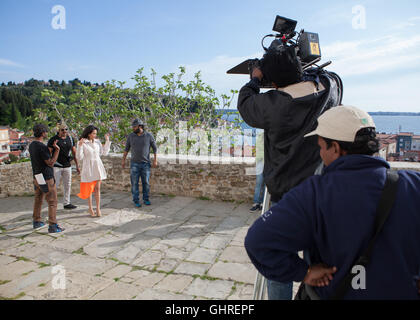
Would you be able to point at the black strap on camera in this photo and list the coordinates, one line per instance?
(383, 210)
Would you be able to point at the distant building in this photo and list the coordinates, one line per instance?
(415, 143)
(388, 145)
(404, 141)
(4, 140)
(16, 135)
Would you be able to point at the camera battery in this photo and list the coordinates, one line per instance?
(309, 47)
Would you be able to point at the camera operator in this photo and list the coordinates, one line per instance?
(286, 114)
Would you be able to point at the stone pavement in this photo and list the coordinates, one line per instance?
(177, 248)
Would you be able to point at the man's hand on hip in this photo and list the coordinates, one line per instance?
(319, 275)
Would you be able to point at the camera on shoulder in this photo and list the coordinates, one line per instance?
(302, 47)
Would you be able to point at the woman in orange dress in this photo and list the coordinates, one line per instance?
(89, 152)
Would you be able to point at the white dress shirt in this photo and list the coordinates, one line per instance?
(89, 155)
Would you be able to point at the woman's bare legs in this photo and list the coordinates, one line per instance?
(92, 213)
(98, 198)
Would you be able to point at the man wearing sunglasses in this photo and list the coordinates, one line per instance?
(62, 167)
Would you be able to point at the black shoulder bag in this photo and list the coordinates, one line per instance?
(383, 210)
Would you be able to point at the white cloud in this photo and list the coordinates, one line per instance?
(214, 72)
(368, 56)
(378, 60)
(9, 63)
(397, 94)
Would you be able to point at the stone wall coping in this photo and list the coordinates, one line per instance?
(201, 159)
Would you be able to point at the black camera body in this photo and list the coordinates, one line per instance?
(306, 45)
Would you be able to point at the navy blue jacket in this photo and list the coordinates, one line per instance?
(332, 217)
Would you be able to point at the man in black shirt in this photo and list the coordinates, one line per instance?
(62, 167)
(286, 114)
(44, 184)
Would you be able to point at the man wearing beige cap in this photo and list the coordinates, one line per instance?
(62, 167)
(356, 251)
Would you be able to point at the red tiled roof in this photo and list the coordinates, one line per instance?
(406, 134)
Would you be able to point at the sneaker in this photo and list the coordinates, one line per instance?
(38, 224)
(147, 202)
(256, 207)
(54, 228)
(137, 204)
(70, 206)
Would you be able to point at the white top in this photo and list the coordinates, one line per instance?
(89, 155)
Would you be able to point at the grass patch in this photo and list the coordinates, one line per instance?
(26, 273)
(42, 285)
(20, 295)
(43, 265)
(79, 251)
(4, 282)
(119, 262)
(136, 268)
(98, 274)
(2, 229)
(23, 259)
(204, 277)
(116, 279)
(204, 198)
(171, 195)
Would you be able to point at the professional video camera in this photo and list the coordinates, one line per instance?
(306, 45)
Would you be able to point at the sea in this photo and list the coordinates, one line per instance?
(384, 124)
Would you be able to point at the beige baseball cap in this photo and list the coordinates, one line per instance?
(342, 123)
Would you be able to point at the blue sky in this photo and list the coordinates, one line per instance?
(104, 40)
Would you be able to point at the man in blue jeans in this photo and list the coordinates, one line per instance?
(259, 168)
(140, 142)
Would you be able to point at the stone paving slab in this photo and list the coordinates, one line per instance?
(31, 281)
(153, 294)
(79, 286)
(235, 254)
(174, 282)
(203, 255)
(16, 269)
(193, 268)
(177, 248)
(217, 289)
(117, 272)
(87, 264)
(241, 272)
(118, 291)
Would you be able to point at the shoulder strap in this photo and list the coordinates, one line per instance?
(386, 203)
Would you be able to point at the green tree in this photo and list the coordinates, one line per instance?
(112, 107)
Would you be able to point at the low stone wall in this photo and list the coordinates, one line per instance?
(216, 181)
(220, 181)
